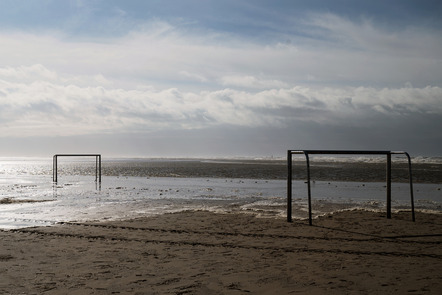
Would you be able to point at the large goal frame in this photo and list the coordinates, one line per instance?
(344, 152)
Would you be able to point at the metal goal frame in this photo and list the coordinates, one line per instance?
(97, 164)
(344, 152)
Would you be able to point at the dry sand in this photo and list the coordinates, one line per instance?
(354, 252)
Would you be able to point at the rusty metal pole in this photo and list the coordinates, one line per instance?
(411, 186)
(289, 186)
(56, 169)
(389, 185)
(310, 222)
(96, 168)
(99, 157)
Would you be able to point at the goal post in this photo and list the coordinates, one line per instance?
(97, 165)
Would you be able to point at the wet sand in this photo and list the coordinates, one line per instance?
(352, 252)
(272, 169)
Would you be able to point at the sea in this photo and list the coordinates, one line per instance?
(141, 187)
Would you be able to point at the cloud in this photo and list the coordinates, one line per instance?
(375, 53)
(251, 82)
(192, 76)
(367, 36)
(47, 105)
(324, 49)
(334, 77)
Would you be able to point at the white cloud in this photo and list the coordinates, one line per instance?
(192, 76)
(160, 78)
(338, 52)
(365, 35)
(27, 73)
(49, 106)
(251, 82)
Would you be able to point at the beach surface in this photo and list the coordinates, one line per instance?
(199, 252)
(326, 170)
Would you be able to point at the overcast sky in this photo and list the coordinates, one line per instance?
(219, 78)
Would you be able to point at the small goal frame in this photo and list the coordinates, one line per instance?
(97, 165)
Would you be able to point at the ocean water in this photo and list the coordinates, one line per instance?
(132, 188)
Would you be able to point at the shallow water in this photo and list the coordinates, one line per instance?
(28, 197)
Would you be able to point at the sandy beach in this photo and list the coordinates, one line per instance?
(351, 252)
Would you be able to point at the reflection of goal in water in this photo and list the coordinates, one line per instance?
(97, 165)
(343, 152)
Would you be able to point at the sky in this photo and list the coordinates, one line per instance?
(198, 78)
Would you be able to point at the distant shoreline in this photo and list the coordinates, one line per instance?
(360, 170)
(273, 169)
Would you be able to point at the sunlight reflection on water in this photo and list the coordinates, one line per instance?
(29, 198)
